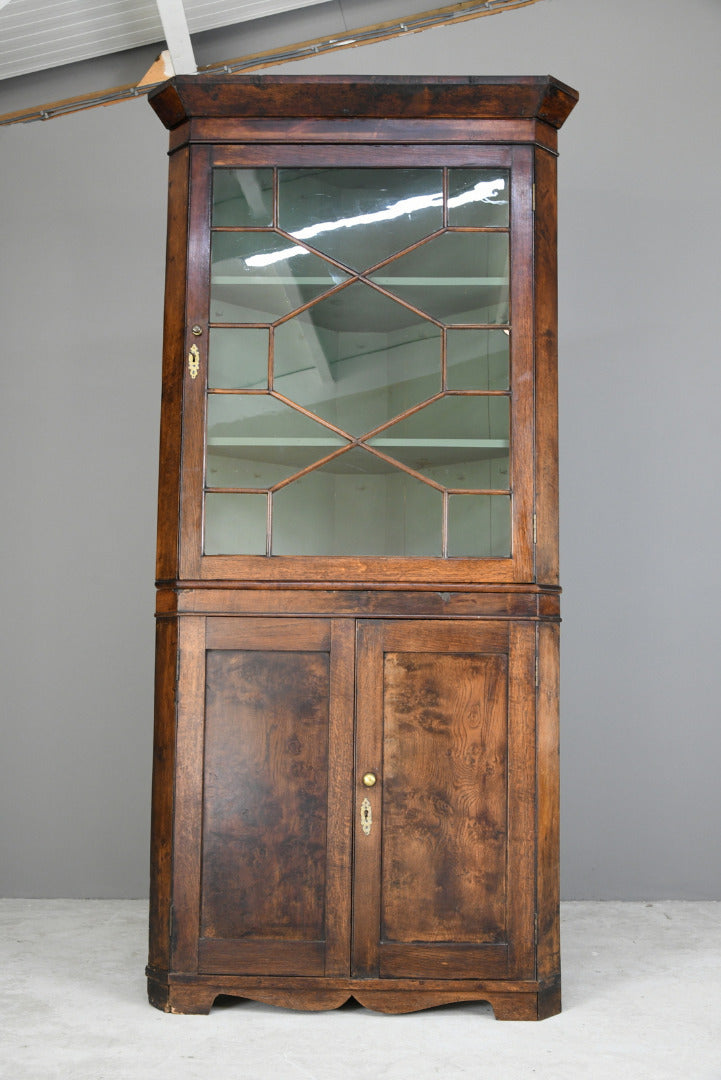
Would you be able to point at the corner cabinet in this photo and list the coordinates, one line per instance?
(355, 786)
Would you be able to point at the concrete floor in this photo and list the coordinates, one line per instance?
(642, 999)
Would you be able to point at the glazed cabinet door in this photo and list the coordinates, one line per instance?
(358, 384)
(443, 836)
(263, 796)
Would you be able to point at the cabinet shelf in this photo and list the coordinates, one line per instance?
(262, 440)
(287, 279)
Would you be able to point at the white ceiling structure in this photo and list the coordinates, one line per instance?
(40, 34)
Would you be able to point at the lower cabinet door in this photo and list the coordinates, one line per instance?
(444, 853)
(275, 840)
(355, 798)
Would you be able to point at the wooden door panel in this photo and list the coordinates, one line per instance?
(431, 889)
(276, 699)
(444, 797)
(265, 794)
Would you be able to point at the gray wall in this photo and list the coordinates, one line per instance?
(640, 235)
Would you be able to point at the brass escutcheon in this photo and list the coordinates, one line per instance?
(366, 816)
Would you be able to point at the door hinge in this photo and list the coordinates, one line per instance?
(535, 529)
(533, 198)
(535, 673)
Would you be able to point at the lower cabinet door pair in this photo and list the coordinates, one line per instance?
(359, 800)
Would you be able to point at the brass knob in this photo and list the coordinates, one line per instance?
(369, 779)
(197, 331)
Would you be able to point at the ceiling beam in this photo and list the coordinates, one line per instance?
(177, 36)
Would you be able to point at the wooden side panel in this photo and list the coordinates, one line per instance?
(521, 799)
(188, 794)
(546, 369)
(172, 392)
(522, 364)
(549, 946)
(162, 807)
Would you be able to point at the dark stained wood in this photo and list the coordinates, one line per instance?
(339, 832)
(522, 852)
(546, 373)
(444, 799)
(281, 681)
(489, 602)
(368, 758)
(264, 955)
(509, 1000)
(276, 635)
(548, 782)
(265, 794)
(188, 782)
(408, 132)
(433, 869)
(317, 568)
(381, 96)
(161, 850)
(522, 363)
(197, 310)
(172, 386)
(453, 960)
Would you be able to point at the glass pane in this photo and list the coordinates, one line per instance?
(258, 277)
(477, 359)
(479, 525)
(460, 442)
(456, 277)
(357, 359)
(235, 524)
(238, 359)
(357, 505)
(254, 440)
(478, 197)
(243, 197)
(360, 216)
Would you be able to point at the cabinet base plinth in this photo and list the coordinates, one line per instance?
(511, 1001)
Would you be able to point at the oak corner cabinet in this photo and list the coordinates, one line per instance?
(355, 788)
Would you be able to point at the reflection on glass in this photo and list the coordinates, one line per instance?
(456, 277)
(357, 358)
(478, 197)
(479, 525)
(254, 440)
(238, 358)
(257, 277)
(235, 524)
(459, 442)
(242, 197)
(360, 216)
(357, 505)
(477, 359)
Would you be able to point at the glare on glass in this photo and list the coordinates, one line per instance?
(478, 197)
(360, 216)
(258, 277)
